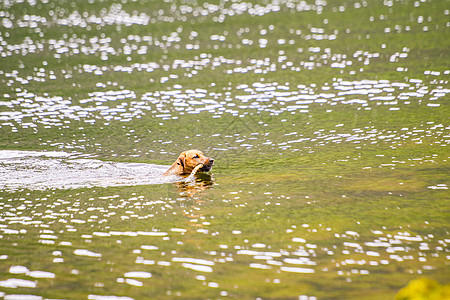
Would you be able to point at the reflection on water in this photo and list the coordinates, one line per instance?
(143, 240)
(49, 170)
(202, 182)
(328, 119)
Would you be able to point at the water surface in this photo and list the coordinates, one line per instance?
(61, 170)
(328, 122)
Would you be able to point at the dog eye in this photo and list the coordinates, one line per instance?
(196, 156)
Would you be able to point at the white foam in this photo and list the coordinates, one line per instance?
(84, 252)
(60, 170)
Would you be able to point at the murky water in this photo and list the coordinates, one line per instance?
(328, 122)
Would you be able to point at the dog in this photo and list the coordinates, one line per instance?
(187, 161)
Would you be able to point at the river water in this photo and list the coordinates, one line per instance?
(328, 123)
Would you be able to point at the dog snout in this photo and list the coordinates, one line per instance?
(208, 165)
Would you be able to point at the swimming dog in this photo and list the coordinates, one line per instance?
(188, 161)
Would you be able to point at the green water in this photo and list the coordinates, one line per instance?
(328, 123)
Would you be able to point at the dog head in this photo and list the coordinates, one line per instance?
(188, 160)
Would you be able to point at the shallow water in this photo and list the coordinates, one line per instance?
(328, 123)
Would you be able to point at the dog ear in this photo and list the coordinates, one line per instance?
(182, 160)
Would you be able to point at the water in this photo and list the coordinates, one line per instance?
(60, 170)
(328, 123)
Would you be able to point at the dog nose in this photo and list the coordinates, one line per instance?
(211, 160)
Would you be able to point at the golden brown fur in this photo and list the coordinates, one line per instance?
(187, 161)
